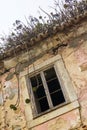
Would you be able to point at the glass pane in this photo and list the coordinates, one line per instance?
(50, 74)
(36, 80)
(57, 98)
(40, 91)
(53, 85)
(44, 104)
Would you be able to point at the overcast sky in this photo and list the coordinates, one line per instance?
(11, 10)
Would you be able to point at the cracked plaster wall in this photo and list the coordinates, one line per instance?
(75, 57)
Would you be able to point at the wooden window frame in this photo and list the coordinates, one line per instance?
(51, 107)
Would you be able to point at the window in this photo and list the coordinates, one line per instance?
(50, 90)
(46, 90)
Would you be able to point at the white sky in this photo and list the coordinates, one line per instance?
(11, 10)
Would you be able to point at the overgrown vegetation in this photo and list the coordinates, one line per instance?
(23, 34)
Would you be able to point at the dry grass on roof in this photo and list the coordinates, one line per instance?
(24, 37)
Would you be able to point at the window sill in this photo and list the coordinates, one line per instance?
(52, 109)
(52, 114)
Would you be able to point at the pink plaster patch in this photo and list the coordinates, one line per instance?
(70, 118)
(41, 127)
(81, 56)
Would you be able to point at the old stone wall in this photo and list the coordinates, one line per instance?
(74, 56)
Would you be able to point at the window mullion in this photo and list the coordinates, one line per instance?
(46, 90)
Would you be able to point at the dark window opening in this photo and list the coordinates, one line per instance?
(54, 87)
(43, 104)
(57, 98)
(40, 92)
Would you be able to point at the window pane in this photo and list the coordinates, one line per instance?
(44, 104)
(50, 74)
(39, 93)
(54, 87)
(57, 98)
(36, 80)
(52, 80)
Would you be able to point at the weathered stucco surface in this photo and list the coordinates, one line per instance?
(75, 61)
